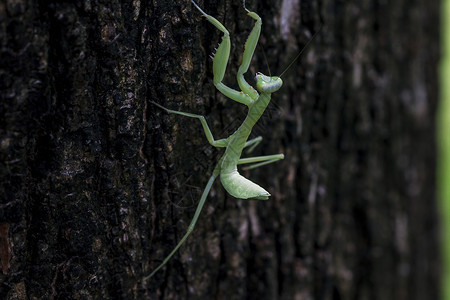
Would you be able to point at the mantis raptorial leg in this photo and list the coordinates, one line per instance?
(256, 101)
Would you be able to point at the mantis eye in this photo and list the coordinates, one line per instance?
(258, 75)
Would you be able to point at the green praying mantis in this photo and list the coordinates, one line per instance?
(256, 101)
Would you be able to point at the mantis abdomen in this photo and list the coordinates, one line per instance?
(237, 185)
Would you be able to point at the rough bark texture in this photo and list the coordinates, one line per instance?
(98, 185)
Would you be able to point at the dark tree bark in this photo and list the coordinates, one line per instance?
(98, 184)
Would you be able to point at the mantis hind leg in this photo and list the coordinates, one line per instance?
(208, 133)
(220, 62)
(260, 160)
(192, 224)
(252, 144)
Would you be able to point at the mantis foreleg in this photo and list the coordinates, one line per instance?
(249, 49)
(220, 63)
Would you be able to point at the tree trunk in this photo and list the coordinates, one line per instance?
(98, 184)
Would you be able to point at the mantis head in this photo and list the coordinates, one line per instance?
(267, 84)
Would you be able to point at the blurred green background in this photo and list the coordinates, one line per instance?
(444, 146)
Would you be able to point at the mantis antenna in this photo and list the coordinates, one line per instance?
(267, 63)
(296, 57)
(301, 51)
